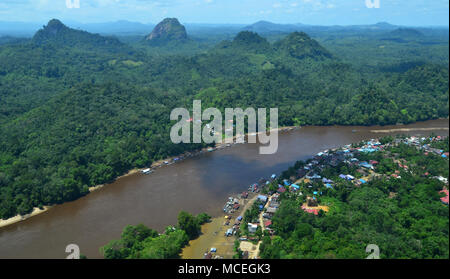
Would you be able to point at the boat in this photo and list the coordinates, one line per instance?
(147, 171)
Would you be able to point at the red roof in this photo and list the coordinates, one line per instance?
(268, 223)
(444, 199)
(281, 190)
(314, 211)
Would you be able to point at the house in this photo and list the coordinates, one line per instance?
(442, 179)
(262, 198)
(252, 227)
(366, 165)
(313, 211)
(229, 232)
(271, 210)
(244, 195)
(326, 180)
(314, 176)
(281, 190)
(274, 203)
(444, 199)
(267, 223)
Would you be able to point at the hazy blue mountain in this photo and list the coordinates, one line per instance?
(267, 27)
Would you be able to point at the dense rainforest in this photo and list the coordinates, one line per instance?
(79, 109)
(140, 242)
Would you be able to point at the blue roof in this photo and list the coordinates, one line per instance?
(262, 198)
(315, 192)
(328, 185)
(295, 186)
(363, 181)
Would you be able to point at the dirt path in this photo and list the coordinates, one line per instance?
(213, 236)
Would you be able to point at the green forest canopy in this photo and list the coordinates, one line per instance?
(78, 109)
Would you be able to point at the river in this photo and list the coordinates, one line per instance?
(198, 184)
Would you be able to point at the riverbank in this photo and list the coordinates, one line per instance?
(313, 195)
(170, 160)
(18, 218)
(409, 130)
(213, 236)
(201, 184)
(155, 165)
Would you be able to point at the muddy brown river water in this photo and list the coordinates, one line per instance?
(198, 184)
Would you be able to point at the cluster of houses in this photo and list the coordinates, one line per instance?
(311, 172)
(270, 210)
(233, 230)
(232, 205)
(268, 206)
(307, 175)
(418, 142)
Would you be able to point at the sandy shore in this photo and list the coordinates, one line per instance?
(161, 163)
(155, 165)
(18, 218)
(213, 235)
(409, 130)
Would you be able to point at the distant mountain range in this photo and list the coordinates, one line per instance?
(124, 27)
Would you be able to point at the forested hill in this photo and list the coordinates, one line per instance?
(55, 32)
(79, 109)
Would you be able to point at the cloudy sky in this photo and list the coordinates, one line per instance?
(319, 12)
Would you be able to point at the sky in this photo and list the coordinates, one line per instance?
(315, 12)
